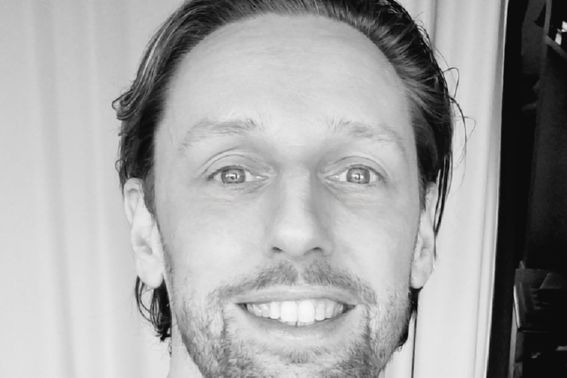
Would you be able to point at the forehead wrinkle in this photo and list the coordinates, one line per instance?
(382, 133)
(206, 129)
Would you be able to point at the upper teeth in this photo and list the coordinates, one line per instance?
(297, 313)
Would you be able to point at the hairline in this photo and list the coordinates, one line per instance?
(415, 117)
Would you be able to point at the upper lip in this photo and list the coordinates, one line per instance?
(297, 293)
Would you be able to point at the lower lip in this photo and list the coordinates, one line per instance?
(319, 333)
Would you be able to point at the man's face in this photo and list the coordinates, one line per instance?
(287, 198)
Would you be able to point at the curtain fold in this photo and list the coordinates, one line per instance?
(67, 272)
(453, 327)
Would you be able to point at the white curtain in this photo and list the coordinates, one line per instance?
(453, 327)
(66, 270)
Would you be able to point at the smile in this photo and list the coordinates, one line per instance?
(297, 317)
(299, 313)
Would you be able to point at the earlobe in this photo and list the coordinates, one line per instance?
(424, 254)
(144, 235)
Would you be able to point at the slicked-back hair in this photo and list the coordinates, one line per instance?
(386, 23)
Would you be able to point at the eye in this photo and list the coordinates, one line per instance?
(233, 175)
(357, 175)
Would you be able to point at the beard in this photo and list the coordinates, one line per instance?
(219, 349)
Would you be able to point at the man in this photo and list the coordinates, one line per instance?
(284, 167)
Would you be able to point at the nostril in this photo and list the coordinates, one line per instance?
(297, 251)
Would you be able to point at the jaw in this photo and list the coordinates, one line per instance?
(232, 341)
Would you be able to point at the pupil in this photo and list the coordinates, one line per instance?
(232, 176)
(358, 175)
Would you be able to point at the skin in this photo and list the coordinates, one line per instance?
(324, 157)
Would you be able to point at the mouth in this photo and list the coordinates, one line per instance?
(291, 319)
(298, 313)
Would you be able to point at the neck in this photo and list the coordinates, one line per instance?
(181, 364)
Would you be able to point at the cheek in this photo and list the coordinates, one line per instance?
(376, 245)
(214, 242)
(209, 244)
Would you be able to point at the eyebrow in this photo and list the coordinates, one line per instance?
(206, 129)
(382, 133)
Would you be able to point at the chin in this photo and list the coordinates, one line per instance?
(226, 340)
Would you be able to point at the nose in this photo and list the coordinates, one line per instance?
(297, 228)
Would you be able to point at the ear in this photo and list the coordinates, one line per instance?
(144, 235)
(424, 254)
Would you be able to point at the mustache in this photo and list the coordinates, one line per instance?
(318, 273)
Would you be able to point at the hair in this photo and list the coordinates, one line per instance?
(386, 23)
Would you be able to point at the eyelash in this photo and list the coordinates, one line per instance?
(374, 175)
(247, 174)
(373, 172)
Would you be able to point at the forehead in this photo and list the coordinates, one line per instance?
(282, 71)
